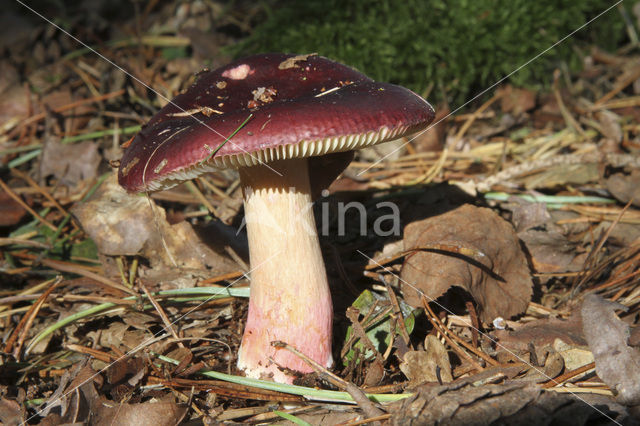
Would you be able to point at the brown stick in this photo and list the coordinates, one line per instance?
(167, 324)
(40, 189)
(353, 313)
(223, 277)
(398, 313)
(42, 115)
(102, 356)
(478, 352)
(474, 322)
(568, 375)
(20, 333)
(435, 322)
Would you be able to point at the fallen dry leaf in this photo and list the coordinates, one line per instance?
(326, 417)
(525, 215)
(624, 186)
(146, 413)
(499, 281)
(515, 100)
(617, 364)
(11, 413)
(74, 397)
(78, 400)
(70, 163)
(610, 125)
(550, 250)
(124, 224)
(553, 366)
(14, 97)
(574, 356)
(430, 365)
(10, 211)
(542, 333)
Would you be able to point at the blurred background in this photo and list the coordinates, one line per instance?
(448, 50)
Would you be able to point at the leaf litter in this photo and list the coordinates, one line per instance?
(524, 210)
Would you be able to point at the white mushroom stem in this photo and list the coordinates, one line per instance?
(290, 299)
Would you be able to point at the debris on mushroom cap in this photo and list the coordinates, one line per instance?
(238, 73)
(309, 107)
(264, 94)
(292, 62)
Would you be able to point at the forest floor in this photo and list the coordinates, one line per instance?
(541, 189)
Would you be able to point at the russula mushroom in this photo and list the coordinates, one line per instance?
(286, 115)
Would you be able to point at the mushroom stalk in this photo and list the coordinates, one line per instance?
(290, 299)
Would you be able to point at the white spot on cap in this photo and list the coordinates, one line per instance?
(238, 73)
(160, 166)
(127, 168)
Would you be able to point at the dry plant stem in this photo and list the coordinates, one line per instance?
(25, 206)
(472, 117)
(356, 393)
(41, 190)
(38, 117)
(360, 332)
(616, 160)
(20, 333)
(225, 389)
(618, 87)
(591, 259)
(568, 375)
(398, 313)
(475, 322)
(566, 114)
(77, 269)
(167, 324)
(444, 331)
(223, 277)
(19, 241)
(102, 356)
(373, 316)
(290, 299)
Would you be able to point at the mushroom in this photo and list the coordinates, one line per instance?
(289, 125)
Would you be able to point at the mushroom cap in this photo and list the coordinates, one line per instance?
(296, 106)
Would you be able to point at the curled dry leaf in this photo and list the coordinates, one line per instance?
(430, 365)
(499, 280)
(124, 224)
(617, 364)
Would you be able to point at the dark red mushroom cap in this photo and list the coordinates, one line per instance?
(297, 106)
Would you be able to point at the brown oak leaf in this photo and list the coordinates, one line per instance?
(495, 274)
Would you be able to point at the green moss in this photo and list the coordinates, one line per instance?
(460, 47)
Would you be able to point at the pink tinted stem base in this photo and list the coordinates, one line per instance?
(290, 299)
